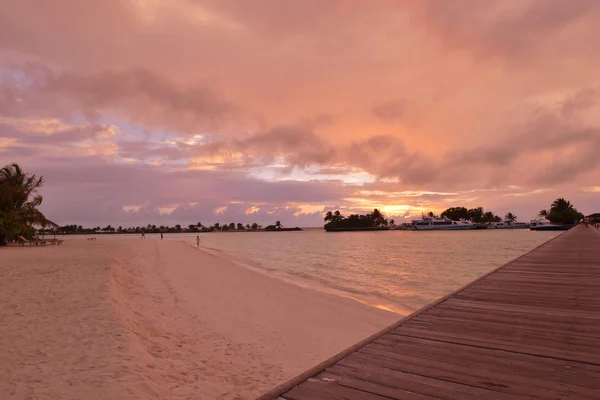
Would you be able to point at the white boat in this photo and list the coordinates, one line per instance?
(545, 225)
(506, 224)
(440, 224)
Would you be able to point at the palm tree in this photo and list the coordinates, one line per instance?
(476, 214)
(431, 214)
(19, 202)
(563, 212)
(278, 225)
(560, 205)
(337, 216)
(543, 213)
(328, 216)
(510, 217)
(378, 217)
(488, 217)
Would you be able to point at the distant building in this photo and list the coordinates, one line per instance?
(594, 218)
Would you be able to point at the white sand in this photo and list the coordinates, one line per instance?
(143, 319)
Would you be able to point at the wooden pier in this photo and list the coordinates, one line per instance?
(528, 330)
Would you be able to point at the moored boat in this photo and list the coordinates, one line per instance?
(507, 224)
(545, 225)
(440, 224)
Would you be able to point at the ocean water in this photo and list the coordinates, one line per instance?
(396, 270)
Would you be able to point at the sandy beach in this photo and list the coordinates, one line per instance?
(144, 319)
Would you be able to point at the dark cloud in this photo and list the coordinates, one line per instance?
(316, 121)
(16, 153)
(491, 30)
(138, 96)
(145, 150)
(62, 136)
(301, 147)
(97, 189)
(391, 111)
(566, 167)
(581, 100)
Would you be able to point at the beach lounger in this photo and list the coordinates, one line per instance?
(51, 241)
(35, 241)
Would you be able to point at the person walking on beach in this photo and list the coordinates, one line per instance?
(161, 236)
(143, 235)
(198, 241)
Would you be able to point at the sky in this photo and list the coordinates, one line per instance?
(186, 111)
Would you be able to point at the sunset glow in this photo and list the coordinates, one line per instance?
(255, 111)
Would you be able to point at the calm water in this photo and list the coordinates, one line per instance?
(398, 270)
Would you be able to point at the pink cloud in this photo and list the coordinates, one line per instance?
(431, 96)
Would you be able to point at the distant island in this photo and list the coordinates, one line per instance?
(374, 221)
(150, 228)
(561, 215)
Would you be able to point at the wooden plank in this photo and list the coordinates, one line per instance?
(529, 329)
(380, 388)
(501, 331)
(528, 310)
(416, 383)
(318, 389)
(483, 378)
(490, 377)
(508, 345)
(472, 356)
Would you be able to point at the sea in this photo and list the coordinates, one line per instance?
(399, 271)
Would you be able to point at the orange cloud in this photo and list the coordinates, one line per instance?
(402, 104)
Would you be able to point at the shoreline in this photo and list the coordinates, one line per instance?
(306, 283)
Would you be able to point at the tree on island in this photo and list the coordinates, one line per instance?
(335, 217)
(563, 212)
(335, 220)
(108, 228)
(476, 215)
(456, 213)
(510, 217)
(19, 202)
